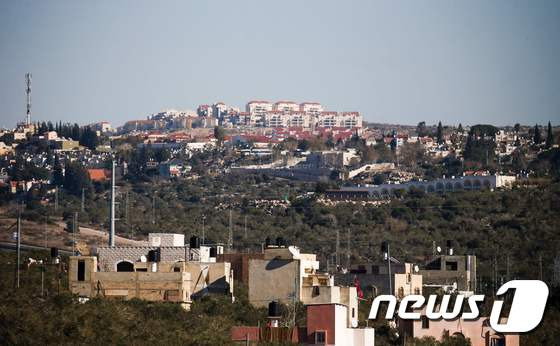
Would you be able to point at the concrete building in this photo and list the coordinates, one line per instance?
(347, 120)
(102, 126)
(326, 325)
(313, 108)
(286, 106)
(167, 252)
(374, 279)
(450, 272)
(438, 185)
(258, 108)
(285, 274)
(169, 282)
(62, 144)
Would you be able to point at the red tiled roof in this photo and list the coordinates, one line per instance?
(97, 174)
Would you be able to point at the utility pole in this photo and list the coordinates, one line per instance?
(507, 267)
(347, 248)
(112, 209)
(337, 249)
(245, 226)
(495, 279)
(42, 278)
(83, 203)
(46, 229)
(74, 225)
(56, 198)
(126, 210)
(387, 255)
(18, 251)
(154, 208)
(203, 221)
(540, 268)
(230, 235)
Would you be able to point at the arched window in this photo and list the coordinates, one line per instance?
(125, 266)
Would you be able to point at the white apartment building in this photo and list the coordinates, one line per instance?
(286, 106)
(339, 119)
(314, 108)
(292, 114)
(219, 109)
(287, 119)
(258, 107)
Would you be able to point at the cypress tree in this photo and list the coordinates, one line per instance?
(537, 139)
(439, 133)
(549, 136)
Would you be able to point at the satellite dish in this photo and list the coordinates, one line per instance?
(416, 269)
(354, 324)
(438, 249)
(143, 259)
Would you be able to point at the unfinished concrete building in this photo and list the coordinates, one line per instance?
(286, 275)
(450, 273)
(375, 280)
(166, 270)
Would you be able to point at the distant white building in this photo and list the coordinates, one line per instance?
(286, 106)
(258, 108)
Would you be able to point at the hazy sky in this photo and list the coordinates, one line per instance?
(395, 61)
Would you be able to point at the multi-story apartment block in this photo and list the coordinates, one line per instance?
(258, 108)
(286, 106)
(313, 108)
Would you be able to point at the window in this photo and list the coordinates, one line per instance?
(353, 312)
(81, 270)
(315, 291)
(321, 337)
(451, 266)
(125, 266)
(408, 278)
(425, 322)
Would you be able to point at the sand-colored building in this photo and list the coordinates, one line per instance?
(285, 274)
(166, 269)
(163, 284)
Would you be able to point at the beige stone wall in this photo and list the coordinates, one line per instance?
(155, 286)
(275, 279)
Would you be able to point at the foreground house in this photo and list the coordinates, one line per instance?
(284, 274)
(164, 270)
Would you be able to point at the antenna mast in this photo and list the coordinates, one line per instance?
(28, 92)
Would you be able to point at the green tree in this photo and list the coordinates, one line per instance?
(439, 135)
(537, 139)
(89, 138)
(421, 129)
(219, 134)
(58, 175)
(76, 178)
(549, 136)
